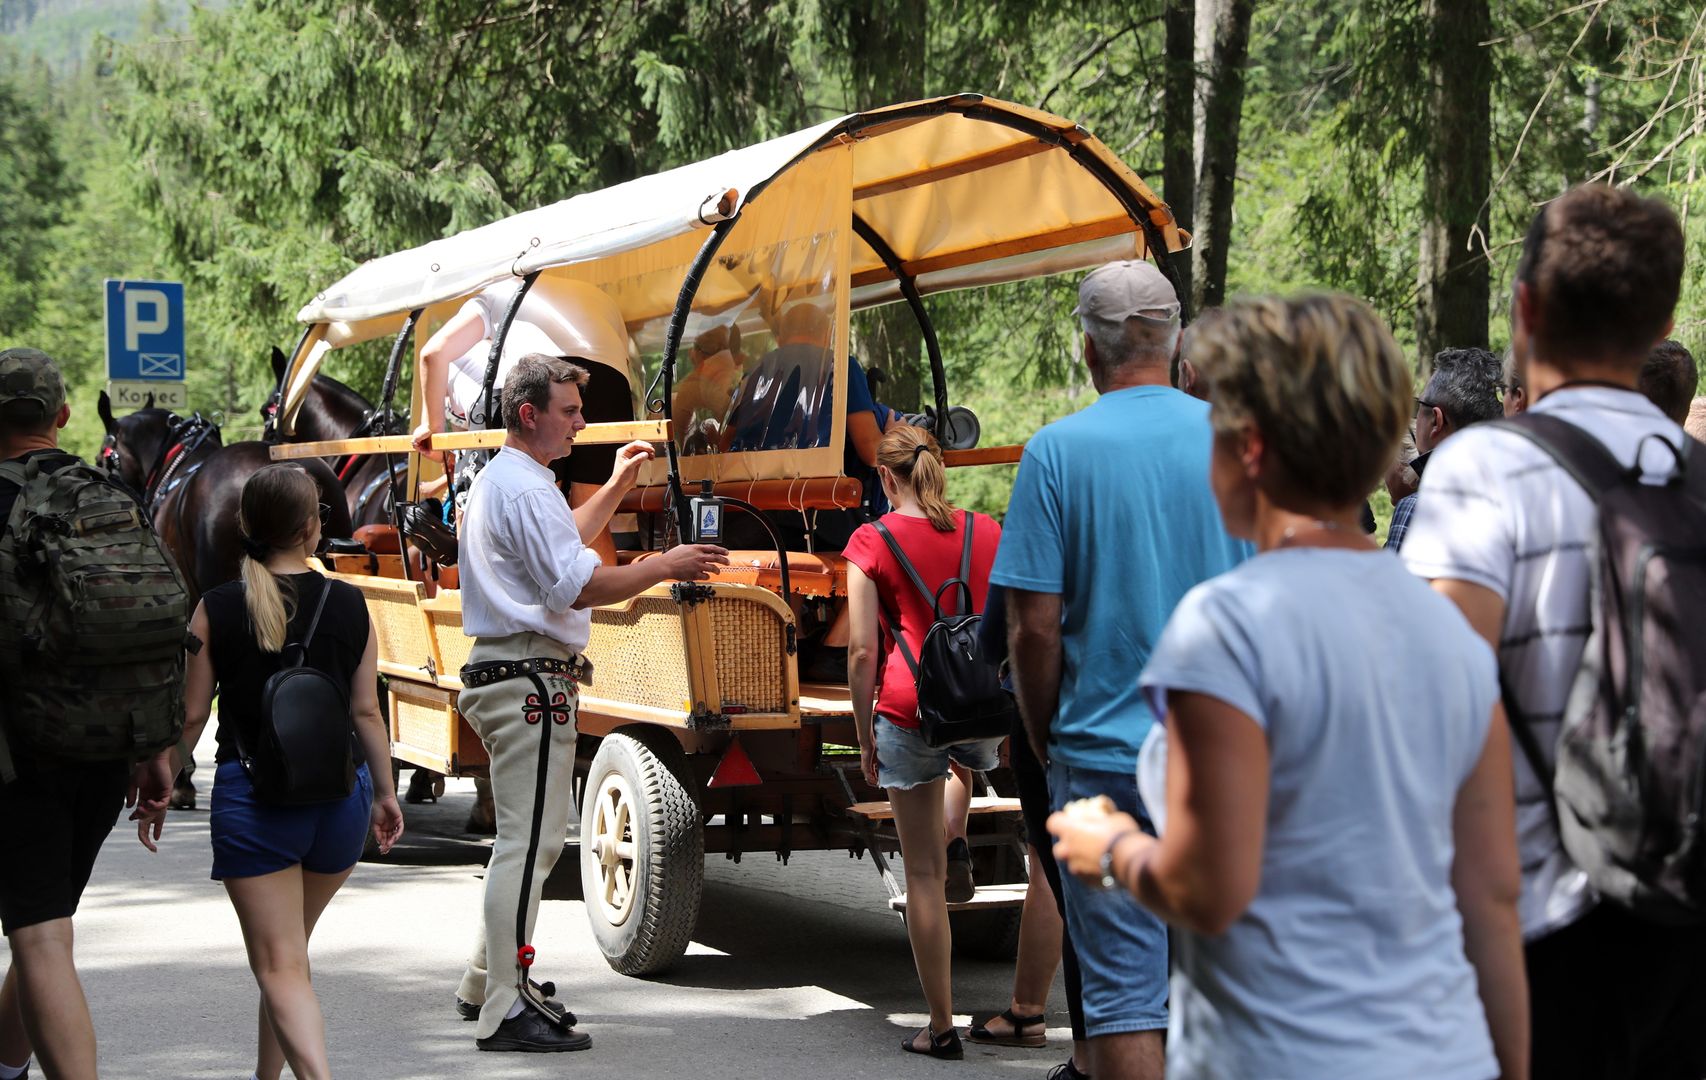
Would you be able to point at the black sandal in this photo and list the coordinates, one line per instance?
(946, 1046)
(980, 1033)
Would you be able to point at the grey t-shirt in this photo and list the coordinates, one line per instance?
(1375, 696)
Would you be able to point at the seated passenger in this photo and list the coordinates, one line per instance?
(714, 376)
(777, 406)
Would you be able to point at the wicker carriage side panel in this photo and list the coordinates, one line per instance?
(420, 722)
(640, 655)
(453, 645)
(751, 654)
(403, 636)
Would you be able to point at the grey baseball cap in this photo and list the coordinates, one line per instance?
(31, 375)
(1131, 288)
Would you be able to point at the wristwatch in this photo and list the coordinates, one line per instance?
(1109, 881)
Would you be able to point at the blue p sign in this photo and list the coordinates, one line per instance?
(145, 330)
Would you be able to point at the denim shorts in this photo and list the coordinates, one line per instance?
(251, 837)
(904, 760)
(1122, 948)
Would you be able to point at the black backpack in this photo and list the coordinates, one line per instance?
(304, 753)
(1629, 791)
(960, 697)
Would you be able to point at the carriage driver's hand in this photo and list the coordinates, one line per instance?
(423, 442)
(692, 562)
(628, 462)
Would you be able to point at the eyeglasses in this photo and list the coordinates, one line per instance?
(325, 512)
(1423, 403)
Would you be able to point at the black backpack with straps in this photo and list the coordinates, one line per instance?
(304, 752)
(1629, 789)
(960, 696)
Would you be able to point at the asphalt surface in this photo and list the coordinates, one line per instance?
(795, 970)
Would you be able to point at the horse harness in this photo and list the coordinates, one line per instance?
(177, 461)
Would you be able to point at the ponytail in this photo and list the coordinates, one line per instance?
(277, 503)
(914, 458)
(268, 612)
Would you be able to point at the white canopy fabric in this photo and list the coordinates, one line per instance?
(962, 189)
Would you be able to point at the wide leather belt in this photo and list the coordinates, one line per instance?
(494, 671)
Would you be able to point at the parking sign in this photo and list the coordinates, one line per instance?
(145, 330)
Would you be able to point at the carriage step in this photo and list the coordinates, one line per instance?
(989, 897)
(982, 804)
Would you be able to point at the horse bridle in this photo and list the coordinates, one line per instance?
(183, 439)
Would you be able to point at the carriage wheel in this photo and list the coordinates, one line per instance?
(642, 850)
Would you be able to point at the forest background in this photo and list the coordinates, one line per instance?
(1395, 149)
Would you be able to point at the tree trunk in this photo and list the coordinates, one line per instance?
(1179, 123)
(1224, 36)
(886, 44)
(1454, 286)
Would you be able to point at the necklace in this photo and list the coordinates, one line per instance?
(1289, 536)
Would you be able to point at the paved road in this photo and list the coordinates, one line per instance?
(794, 971)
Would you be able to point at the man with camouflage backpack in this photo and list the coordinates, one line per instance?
(92, 618)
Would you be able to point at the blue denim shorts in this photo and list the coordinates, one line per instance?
(251, 838)
(904, 760)
(1122, 948)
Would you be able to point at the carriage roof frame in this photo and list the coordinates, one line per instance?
(944, 193)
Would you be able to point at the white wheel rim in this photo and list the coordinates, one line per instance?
(613, 850)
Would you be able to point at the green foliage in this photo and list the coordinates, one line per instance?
(35, 188)
(260, 149)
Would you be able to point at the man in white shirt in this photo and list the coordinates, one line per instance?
(1508, 535)
(527, 582)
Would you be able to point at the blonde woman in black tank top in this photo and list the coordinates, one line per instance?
(281, 865)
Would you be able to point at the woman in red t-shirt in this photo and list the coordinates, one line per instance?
(885, 697)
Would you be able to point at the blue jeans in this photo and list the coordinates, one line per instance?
(905, 760)
(1122, 948)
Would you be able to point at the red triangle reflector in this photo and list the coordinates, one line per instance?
(735, 769)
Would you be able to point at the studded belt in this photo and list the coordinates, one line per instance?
(494, 671)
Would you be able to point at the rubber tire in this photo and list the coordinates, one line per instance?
(669, 851)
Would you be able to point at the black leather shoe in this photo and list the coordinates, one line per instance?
(529, 1032)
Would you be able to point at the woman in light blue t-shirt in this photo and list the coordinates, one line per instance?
(1338, 849)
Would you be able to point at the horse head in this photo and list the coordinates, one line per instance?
(134, 443)
(330, 410)
(138, 448)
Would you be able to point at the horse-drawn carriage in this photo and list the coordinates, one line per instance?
(697, 733)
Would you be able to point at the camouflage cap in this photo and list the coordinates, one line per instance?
(31, 375)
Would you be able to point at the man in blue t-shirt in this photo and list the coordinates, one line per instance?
(1111, 521)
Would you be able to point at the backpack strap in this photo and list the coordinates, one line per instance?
(911, 572)
(313, 624)
(1596, 470)
(1581, 455)
(14, 471)
(964, 580)
(905, 563)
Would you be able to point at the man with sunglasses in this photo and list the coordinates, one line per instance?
(1463, 390)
